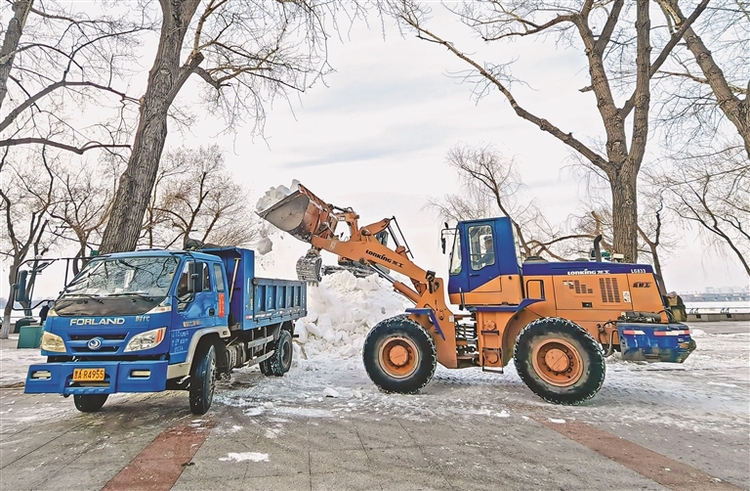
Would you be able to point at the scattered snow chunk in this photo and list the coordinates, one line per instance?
(241, 457)
(329, 392)
(556, 421)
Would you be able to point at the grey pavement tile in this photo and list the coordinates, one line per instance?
(383, 434)
(341, 436)
(338, 461)
(346, 481)
(80, 478)
(199, 483)
(401, 460)
(214, 469)
(296, 482)
(411, 481)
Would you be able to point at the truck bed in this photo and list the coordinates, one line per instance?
(257, 302)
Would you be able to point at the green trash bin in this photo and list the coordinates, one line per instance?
(23, 321)
(30, 336)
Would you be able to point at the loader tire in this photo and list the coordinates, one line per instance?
(559, 361)
(281, 361)
(89, 403)
(203, 379)
(399, 355)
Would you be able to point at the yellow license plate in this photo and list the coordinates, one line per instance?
(88, 374)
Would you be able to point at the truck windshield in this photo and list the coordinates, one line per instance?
(137, 276)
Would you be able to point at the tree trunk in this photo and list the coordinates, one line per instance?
(625, 214)
(165, 80)
(5, 330)
(10, 43)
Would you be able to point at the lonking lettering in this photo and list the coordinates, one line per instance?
(107, 321)
(385, 258)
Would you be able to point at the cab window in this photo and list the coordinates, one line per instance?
(206, 278)
(481, 247)
(455, 267)
(219, 275)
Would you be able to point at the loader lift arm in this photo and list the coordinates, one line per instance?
(311, 220)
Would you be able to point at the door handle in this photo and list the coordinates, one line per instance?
(474, 274)
(211, 311)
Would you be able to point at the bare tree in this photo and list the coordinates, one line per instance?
(713, 192)
(602, 31)
(710, 81)
(491, 186)
(26, 197)
(197, 199)
(55, 62)
(247, 51)
(82, 198)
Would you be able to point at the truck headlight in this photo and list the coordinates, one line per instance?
(52, 342)
(146, 340)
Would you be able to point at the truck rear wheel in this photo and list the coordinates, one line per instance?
(89, 403)
(399, 355)
(559, 361)
(281, 361)
(203, 379)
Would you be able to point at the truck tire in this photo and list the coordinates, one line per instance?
(399, 355)
(559, 361)
(89, 403)
(203, 379)
(281, 361)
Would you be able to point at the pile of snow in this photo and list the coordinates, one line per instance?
(341, 311)
(274, 195)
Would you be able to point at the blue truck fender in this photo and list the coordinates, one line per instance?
(179, 370)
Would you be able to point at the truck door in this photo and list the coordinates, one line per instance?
(195, 311)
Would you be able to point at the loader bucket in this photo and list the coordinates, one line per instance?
(302, 215)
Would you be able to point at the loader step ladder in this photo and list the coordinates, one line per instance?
(493, 352)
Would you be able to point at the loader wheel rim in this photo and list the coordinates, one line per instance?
(557, 362)
(399, 357)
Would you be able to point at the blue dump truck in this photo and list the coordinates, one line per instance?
(154, 320)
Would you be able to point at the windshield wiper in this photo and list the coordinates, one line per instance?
(98, 298)
(145, 296)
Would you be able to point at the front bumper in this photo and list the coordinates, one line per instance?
(120, 376)
(669, 343)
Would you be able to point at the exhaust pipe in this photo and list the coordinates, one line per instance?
(597, 249)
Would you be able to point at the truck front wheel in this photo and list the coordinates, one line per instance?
(559, 361)
(399, 355)
(203, 379)
(89, 403)
(281, 361)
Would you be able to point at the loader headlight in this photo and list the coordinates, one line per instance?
(146, 340)
(52, 342)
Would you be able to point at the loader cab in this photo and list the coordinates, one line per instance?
(484, 267)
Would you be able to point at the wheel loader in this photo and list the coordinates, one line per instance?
(557, 321)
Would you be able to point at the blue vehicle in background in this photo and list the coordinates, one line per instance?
(155, 320)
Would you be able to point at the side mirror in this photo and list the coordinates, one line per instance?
(19, 293)
(442, 244)
(195, 283)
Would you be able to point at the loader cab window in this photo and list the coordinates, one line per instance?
(481, 247)
(455, 267)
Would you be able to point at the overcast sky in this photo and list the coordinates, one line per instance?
(376, 139)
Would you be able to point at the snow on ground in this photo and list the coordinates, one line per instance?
(709, 391)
